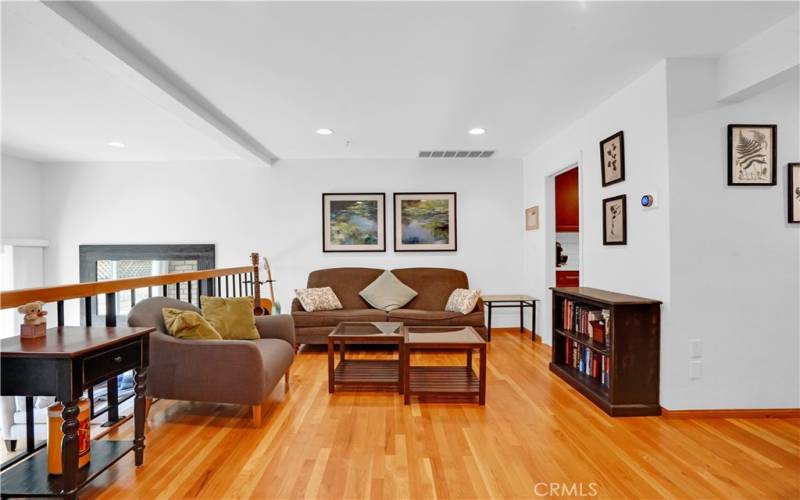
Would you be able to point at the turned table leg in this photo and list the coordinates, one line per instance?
(69, 447)
(139, 411)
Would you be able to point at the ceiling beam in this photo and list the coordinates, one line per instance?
(125, 58)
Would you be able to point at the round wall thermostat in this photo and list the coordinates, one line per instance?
(648, 200)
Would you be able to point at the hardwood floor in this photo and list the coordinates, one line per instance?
(534, 430)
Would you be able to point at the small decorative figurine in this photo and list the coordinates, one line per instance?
(34, 322)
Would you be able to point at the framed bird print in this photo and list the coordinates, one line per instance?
(615, 221)
(752, 155)
(612, 156)
(793, 179)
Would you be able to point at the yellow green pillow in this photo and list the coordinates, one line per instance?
(232, 317)
(188, 325)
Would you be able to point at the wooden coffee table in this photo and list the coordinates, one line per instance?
(365, 372)
(443, 380)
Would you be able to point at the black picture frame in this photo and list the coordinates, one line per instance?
(624, 240)
(608, 139)
(381, 246)
(398, 226)
(773, 154)
(792, 192)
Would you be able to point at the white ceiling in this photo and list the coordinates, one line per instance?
(59, 106)
(391, 78)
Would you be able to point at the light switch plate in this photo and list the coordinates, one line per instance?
(695, 370)
(696, 347)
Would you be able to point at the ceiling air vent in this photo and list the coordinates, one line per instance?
(456, 154)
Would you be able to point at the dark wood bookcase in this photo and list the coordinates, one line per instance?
(634, 338)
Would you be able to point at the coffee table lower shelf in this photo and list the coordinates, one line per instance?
(443, 381)
(368, 372)
(29, 478)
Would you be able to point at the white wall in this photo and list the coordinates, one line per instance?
(642, 266)
(277, 211)
(735, 260)
(21, 204)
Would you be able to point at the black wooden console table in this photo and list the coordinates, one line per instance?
(64, 363)
(520, 301)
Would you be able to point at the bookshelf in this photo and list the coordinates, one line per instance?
(617, 370)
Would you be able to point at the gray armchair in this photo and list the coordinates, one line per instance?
(221, 371)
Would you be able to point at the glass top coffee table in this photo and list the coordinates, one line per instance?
(446, 381)
(365, 372)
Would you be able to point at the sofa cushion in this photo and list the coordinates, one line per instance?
(417, 317)
(333, 318)
(433, 285)
(387, 292)
(346, 282)
(232, 317)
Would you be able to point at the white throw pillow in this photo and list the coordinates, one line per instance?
(387, 292)
(462, 300)
(318, 299)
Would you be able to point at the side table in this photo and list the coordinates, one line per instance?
(520, 301)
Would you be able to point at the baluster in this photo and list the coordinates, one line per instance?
(164, 290)
(60, 312)
(240, 284)
(149, 292)
(210, 287)
(219, 287)
(178, 291)
(189, 290)
(199, 291)
(133, 297)
(111, 384)
(227, 282)
(111, 309)
(87, 310)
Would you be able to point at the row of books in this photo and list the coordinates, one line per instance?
(588, 362)
(586, 320)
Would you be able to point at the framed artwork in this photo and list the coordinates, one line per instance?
(793, 180)
(532, 218)
(612, 157)
(425, 222)
(615, 221)
(353, 222)
(752, 155)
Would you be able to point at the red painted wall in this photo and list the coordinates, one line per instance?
(567, 203)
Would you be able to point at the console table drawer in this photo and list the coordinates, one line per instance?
(101, 366)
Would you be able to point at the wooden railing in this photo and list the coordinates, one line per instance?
(224, 282)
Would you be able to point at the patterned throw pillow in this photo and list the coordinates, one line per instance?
(318, 299)
(462, 300)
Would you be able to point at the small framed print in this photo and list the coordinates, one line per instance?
(793, 180)
(752, 155)
(612, 157)
(425, 222)
(353, 222)
(615, 221)
(532, 218)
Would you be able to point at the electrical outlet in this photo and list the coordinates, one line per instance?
(696, 347)
(695, 370)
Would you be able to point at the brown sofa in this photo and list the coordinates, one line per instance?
(433, 286)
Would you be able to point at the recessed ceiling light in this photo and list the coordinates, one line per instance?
(116, 144)
(324, 131)
(477, 131)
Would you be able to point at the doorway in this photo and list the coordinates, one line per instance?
(567, 238)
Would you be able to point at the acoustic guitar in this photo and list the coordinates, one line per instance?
(261, 307)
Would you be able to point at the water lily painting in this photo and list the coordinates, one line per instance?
(353, 222)
(752, 155)
(424, 222)
(615, 221)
